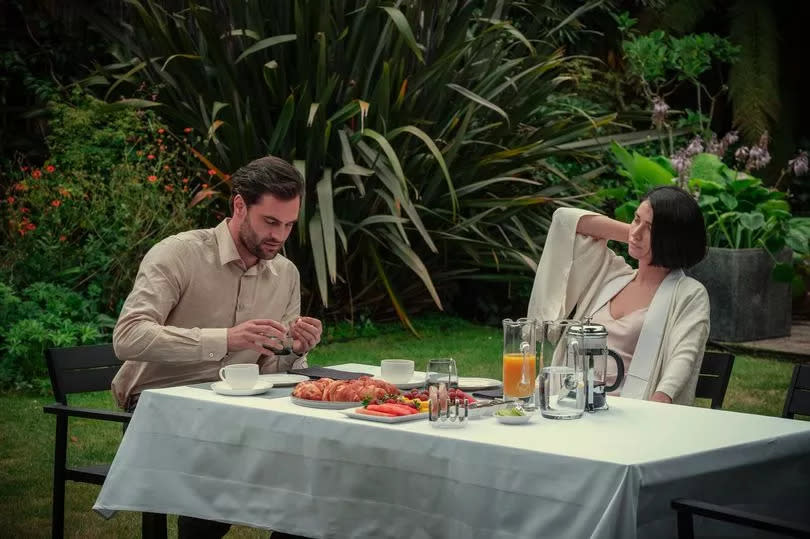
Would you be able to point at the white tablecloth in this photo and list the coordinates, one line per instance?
(268, 463)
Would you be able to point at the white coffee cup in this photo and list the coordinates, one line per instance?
(240, 376)
(396, 371)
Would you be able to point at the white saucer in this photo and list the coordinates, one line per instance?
(222, 388)
(281, 379)
(469, 383)
(417, 380)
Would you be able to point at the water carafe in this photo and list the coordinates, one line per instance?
(596, 356)
(562, 380)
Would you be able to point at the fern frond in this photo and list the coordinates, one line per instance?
(754, 78)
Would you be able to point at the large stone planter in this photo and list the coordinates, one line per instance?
(747, 304)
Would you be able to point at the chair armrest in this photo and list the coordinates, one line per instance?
(90, 413)
(743, 518)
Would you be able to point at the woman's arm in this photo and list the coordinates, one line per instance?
(603, 228)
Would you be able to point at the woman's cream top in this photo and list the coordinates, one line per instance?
(622, 338)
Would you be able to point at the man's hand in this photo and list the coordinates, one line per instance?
(306, 333)
(255, 335)
(660, 396)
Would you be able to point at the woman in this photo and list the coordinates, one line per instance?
(657, 318)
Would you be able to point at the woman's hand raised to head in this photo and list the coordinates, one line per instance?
(603, 228)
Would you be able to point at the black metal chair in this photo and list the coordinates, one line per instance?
(74, 370)
(797, 401)
(715, 373)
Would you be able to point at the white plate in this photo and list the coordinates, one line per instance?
(281, 379)
(222, 388)
(418, 380)
(512, 419)
(328, 405)
(383, 419)
(466, 383)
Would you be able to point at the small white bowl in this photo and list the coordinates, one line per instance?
(512, 419)
(396, 371)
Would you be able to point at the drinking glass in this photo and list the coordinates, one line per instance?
(440, 377)
(562, 381)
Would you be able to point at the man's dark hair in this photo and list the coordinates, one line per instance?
(678, 236)
(266, 176)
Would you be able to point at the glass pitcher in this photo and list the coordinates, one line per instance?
(562, 381)
(519, 360)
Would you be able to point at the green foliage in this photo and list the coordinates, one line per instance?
(739, 211)
(417, 129)
(659, 59)
(43, 315)
(115, 183)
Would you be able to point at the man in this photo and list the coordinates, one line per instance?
(208, 298)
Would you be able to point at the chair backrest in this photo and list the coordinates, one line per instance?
(797, 400)
(80, 369)
(715, 373)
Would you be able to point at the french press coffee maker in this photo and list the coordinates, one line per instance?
(594, 339)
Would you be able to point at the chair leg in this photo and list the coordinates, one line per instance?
(153, 526)
(59, 462)
(685, 527)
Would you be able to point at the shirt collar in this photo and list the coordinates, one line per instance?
(228, 252)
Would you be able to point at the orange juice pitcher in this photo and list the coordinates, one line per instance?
(519, 359)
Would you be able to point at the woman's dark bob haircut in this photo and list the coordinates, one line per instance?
(678, 237)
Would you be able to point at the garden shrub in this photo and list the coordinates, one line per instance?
(116, 182)
(43, 315)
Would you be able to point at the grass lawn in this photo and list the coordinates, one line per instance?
(26, 434)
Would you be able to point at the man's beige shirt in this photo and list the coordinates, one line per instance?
(189, 290)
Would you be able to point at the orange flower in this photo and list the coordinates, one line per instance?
(30, 226)
(205, 186)
(64, 192)
(161, 130)
(187, 130)
(56, 203)
(36, 174)
(150, 156)
(163, 148)
(11, 200)
(20, 187)
(185, 188)
(62, 238)
(168, 188)
(50, 169)
(185, 180)
(165, 167)
(24, 169)
(211, 171)
(160, 141)
(152, 179)
(25, 210)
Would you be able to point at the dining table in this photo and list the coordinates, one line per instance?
(265, 461)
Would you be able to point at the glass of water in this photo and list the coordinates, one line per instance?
(440, 377)
(561, 382)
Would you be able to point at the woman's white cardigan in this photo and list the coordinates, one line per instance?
(579, 274)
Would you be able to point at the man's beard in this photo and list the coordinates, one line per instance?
(250, 240)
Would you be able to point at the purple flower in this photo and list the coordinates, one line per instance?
(741, 155)
(660, 111)
(695, 147)
(799, 164)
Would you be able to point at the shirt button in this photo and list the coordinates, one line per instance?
(210, 354)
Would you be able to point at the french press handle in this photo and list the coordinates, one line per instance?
(619, 371)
